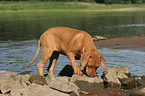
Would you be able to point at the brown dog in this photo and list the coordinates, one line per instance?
(73, 43)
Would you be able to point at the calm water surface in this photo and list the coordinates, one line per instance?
(20, 31)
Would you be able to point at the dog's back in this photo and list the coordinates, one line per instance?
(62, 37)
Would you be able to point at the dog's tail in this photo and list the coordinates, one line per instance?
(37, 51)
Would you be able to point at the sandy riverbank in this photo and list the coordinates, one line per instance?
(133, 43)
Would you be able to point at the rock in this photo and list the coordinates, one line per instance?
(22, 79)
(137, 78)
(8, 82)
(11, 81)
(49, 77)
(63, 78)
(24, 73)
(25, 80)
(67, 71)
(97, 38)
(64, 87)
(141, 82)
(8, 86)
(140, 92)
(88, 83)
(34, 78)
(128, 83)
(13, 84)
(37, 90)
(113, 75)
(7, 75)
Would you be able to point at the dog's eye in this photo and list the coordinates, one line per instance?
(90, 57)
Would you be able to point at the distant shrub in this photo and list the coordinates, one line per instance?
(137, 1)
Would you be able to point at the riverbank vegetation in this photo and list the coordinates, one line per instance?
(121, 1)
(97, 1)
(55, 5)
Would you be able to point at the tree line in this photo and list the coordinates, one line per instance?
(97, 1)
(55, 0)
(121, 1)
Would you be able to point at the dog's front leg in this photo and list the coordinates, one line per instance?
(74, 64)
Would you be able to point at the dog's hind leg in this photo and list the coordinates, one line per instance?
(46, 54)
(52, 61)
(40, 65)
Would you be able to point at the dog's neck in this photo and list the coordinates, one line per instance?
(89, 46)
(91, 50)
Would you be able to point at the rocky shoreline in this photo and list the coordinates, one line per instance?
(131, 43)
(116, 81)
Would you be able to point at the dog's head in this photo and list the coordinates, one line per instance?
(90, 63)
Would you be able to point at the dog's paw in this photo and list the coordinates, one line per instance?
(78, 72)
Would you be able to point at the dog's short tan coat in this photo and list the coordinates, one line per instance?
(75, 44)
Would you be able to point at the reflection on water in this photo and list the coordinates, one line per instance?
(19, 34)
(134, 60)
(133, 25)
(16, 55)
(30, 25)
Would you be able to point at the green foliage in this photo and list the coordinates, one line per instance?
(117, 1)
(121, 1)
(60, 6)
(138, 1)
(55, 0)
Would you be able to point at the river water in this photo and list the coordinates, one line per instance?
(20, 31)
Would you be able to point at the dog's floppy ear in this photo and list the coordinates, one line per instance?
(103, 63)
(84, 60)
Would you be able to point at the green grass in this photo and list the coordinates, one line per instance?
(38, 5)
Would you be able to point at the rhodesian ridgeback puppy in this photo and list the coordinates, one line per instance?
(75, 44)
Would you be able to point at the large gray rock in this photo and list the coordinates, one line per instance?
(8, 86)
(8, 82)
(54, 88)
(7, 75)
(12, 76)
(49, 77)
(22, 79)
(113, 76)
(25, 80)
(63, 78)
(13, 84)
(65, 87)
(88, 83)
(37, 90)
